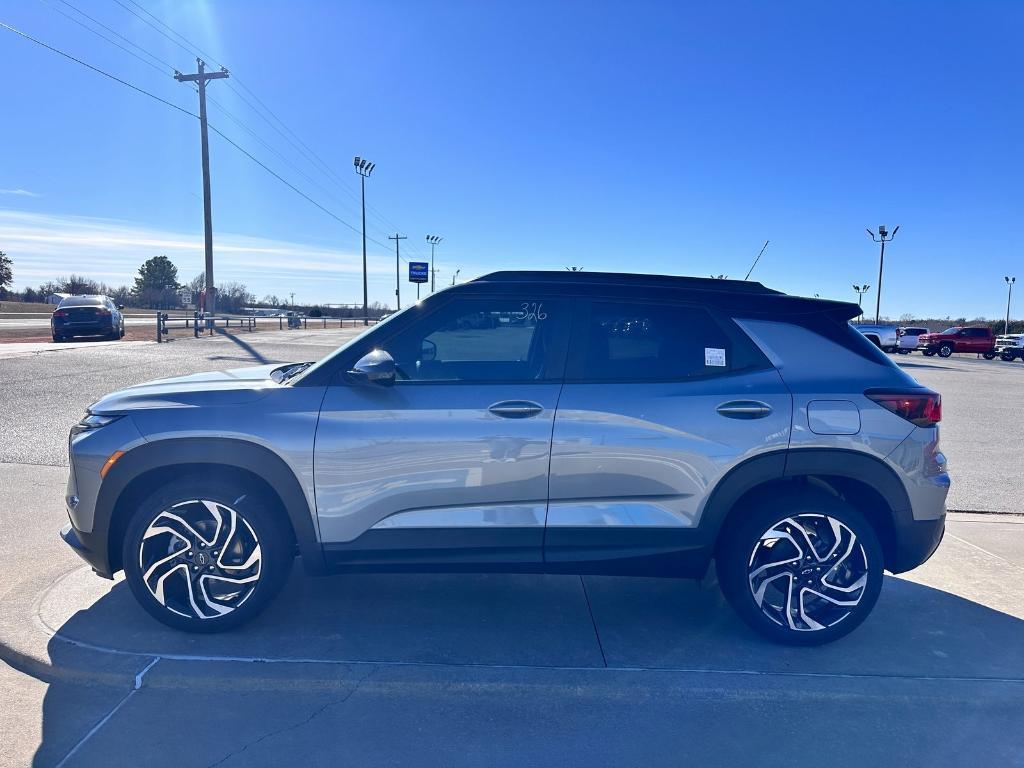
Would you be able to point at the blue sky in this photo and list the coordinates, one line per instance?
(655, 137)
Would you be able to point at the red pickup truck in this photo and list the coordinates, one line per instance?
(958, 339)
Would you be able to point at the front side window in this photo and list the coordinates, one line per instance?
(482, 340)
(628, 341)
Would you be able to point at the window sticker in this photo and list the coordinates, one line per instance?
(714, 356)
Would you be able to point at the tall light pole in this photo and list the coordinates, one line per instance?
(398, 290)
(882, 237)
(434, 240)
(364, 168)
(455, 275)
(1009, 293)
(861, 290)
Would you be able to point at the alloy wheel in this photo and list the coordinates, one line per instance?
(808, 572)
(200, 559)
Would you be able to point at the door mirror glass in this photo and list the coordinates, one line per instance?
(428, 351)
(120, 306)
(377, 367)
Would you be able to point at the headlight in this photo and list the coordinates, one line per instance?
(93, 421)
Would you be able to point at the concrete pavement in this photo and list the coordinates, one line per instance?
(497, 670)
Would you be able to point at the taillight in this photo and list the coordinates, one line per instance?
(60, 313)
(103, 312)
(921, 407)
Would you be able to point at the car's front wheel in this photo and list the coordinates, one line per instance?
(945, 350)
(805, 569)
(205, 556)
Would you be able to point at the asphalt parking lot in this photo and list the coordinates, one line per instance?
(499, 670)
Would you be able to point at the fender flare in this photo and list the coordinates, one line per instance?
(230, 452)
(802, 462)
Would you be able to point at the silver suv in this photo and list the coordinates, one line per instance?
(531, 422)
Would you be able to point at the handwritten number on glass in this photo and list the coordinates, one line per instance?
(534, 310)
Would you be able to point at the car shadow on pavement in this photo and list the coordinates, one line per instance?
(514, 625)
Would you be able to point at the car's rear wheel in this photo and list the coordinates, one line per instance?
(58, 338)
(945, 350)
(928, 352)
(205, 556)
(1006, 357)
(805, 569)
(989, 355)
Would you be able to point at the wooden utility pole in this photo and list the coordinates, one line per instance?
(200, 78)
(398, 279)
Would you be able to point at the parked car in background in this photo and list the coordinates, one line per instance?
(908, 339)
(958, 339)
(87, 316)
(1010, 347)
(585, 435)
(882, 336)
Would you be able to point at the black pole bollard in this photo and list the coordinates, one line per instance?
(159, 336)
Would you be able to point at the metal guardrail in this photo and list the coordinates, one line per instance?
(201, 324)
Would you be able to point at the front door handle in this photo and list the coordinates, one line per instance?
(745, 409)
(516, 409)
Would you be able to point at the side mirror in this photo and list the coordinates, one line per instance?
(120, 306)
(377, 367)
(428, 351)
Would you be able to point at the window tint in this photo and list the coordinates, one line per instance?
(658, 342)
(977, 332)
(480, 340)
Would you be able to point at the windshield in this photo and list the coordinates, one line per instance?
(354, 340)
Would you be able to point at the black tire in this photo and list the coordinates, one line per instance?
(121, 335)
(741, 544)
(945, 350)
(1006, 357)
(187, 605)
(989, 355)
(928, 352)
(57, 339)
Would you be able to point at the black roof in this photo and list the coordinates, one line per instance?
(626, 279)
(745, 296)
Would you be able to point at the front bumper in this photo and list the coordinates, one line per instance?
(89, 547)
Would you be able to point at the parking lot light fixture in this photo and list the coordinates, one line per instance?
(882, 237)
(434, 240)
(861, 290)
(1009, 294)
(364, 168)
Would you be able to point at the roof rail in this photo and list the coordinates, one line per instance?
(625, 278)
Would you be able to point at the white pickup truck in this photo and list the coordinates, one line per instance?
(882, 336)
(1010, 346)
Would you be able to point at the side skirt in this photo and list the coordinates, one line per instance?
(613, 551)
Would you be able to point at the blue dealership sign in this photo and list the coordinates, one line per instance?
(419, 272)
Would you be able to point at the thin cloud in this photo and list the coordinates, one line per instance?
(44, 246)
(19, 192)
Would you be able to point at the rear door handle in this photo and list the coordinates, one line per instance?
(745, 409)
(516, 409)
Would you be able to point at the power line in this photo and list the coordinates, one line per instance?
(100, 35)
(115, 78)
(262, 110)
(117, 34)
(213, 128)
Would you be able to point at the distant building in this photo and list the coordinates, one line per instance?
(57, 298)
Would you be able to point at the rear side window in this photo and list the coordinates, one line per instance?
(977, 332)
(639, 341)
